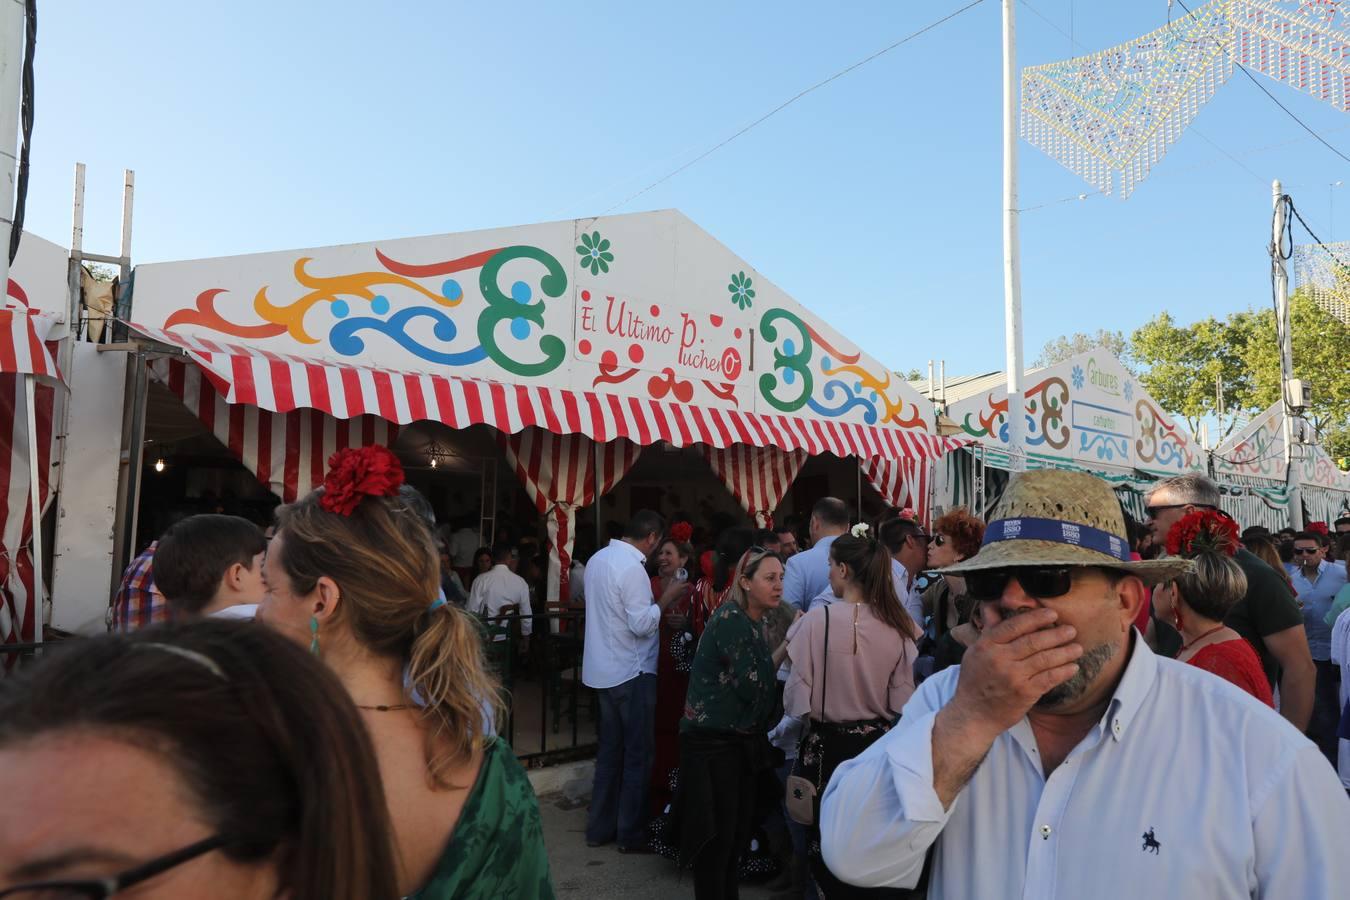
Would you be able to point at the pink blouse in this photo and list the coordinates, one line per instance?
(871, 665)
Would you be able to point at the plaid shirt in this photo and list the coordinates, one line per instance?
(137, 603)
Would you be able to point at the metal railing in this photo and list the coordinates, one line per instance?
(550, 716)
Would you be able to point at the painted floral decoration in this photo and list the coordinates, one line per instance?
(1078, 377)
(1205, 530)
(741, 291)
(353, 474)
(1129, 391)
(594, 252)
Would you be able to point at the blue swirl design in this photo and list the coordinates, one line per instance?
(343, 338)
(848, 401)
(1171, 451)
(1107, 446)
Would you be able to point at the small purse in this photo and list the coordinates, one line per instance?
(802, 794)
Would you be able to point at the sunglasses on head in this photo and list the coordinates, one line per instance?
(1039, 583)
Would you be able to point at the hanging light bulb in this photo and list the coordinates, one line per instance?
(433, 462)
(159, 465)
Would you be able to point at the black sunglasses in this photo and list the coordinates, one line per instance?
(1152, 511)
(1305, 551)
(101, 888)
(938, 540)
(1040, 583)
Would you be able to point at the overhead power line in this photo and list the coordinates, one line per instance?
(785, 104)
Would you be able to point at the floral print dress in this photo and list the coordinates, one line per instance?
(732, 683)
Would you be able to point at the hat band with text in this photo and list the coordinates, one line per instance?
(1058, 532)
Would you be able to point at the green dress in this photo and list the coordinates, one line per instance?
(732, 684)
(497, 848)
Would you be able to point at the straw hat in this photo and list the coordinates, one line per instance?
(1055, 518)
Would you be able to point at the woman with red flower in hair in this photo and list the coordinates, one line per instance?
(1197, 602)
(353, 574)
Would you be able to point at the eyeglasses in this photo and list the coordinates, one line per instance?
(921, 536)
(101, 888)
(1152, 511)
(1305, 551)
(938, 540)
(1039, 583)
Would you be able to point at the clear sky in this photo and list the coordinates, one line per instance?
(875, 200)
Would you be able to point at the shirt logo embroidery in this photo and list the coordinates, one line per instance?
(1151, 842)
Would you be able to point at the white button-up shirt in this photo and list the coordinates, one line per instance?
(807, 574)
(1188, 787)
(496, 589)
(622, 618)
(909, 596)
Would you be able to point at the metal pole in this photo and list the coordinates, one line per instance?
(1282, 331)
(11, 71)
(35, 501)
(1012, 264)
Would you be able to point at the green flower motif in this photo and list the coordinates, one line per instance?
(741, 292)
(595, 253)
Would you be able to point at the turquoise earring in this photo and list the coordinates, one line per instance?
(314, 635)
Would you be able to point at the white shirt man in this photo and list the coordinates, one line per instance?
(621, 619)
(498, 588)
(1254, 812)
(463, 543)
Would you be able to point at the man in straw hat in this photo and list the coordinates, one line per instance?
(1064, 759)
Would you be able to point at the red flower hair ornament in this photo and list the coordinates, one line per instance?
(1204, 530)
(681, 532)
(1317, 528)
(353, 474)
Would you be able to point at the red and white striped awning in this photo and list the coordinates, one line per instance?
(282, 383)
(23, 347)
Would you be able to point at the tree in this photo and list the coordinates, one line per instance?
(1184, 366)
(1061, 348)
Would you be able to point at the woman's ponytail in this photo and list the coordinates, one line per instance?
(870, 568)
(449, 678)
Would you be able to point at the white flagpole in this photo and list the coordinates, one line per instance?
(1012, 263)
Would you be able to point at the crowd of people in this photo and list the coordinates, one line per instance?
(879, 712)
(1060, 702)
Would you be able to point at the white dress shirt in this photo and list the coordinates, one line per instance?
(910, 597)
(1340, 655)
(1238, 803)
(463, 544)
(496, 589)
(622, 618)
(807, 574)
(238, 611)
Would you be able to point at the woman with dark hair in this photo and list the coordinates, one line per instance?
(208, 760)
(1197, 602)
(727, 783)
(482, 562)
(681, 627)
(852, 673)
(956, 537)
(354, 575)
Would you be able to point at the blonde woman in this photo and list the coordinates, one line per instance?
(354, 575)
(727, 782)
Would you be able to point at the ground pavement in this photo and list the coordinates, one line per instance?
(602, 873)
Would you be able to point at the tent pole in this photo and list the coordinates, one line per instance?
(1282, 331)
(1012, 264)
(35, 499)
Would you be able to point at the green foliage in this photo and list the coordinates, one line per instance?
(1183, 365)
(1061, 348)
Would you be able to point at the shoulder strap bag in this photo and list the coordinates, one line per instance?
(802, 800)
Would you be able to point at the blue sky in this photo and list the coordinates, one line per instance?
(875, 200)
